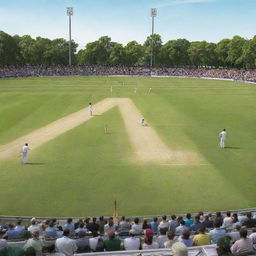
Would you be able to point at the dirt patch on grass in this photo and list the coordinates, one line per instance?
(147, 145)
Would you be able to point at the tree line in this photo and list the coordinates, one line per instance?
(237, 52)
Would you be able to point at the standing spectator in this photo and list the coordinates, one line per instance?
(137, 227)
(173, 223)
(82, 243)
(244, 245)
(148, 241)
(112, 243)
(132, 242)
(35, 242)
(217, 232)
(3, 242)
(185, 238)
(188, 221)
(65, 244)
(154, 225)
(70, 226)
(202, 238)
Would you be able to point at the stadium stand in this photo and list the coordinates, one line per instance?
(38, 71)
(236, 227)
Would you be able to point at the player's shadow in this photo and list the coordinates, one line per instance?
(234, 147)
(35, 163)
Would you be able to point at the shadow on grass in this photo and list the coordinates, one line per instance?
(35, 163)
(233, 147)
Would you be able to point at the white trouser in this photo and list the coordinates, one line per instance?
(24, 157)
(222, 143)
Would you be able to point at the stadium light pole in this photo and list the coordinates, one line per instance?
(153, 15)
(69, 13)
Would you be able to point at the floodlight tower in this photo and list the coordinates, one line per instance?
(153, 15)
(69, 13)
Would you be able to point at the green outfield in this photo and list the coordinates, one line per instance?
(81, 172)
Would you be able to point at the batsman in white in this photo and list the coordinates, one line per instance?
(90, 109)
(24, 152)
(222, 138)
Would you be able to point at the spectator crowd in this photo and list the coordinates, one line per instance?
(85, 70)
(234, 234)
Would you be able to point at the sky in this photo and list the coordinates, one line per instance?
(127, 20)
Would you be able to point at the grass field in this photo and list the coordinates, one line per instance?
(81, 172)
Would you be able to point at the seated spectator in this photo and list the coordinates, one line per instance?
(132, 242)
(96, 242)
(235, 234)
(11, 233)
(188, 221)
(171, 239)
(253, 235)
(249, 222)
(201, 217)
(35, 242)
(202, 238)
(235, 221)
(34, 225)
(218, 218)
(137, 227)
(208, 222)
(227, 221)
(101, 223)
(154, 225)
(164, 223)
(93, 226)
(70, 226)
(66, 245)
(244, 245)
(3, 242)
(148, 242)
(50, 231)
(50, 251)
(185, 238)
(196, 225)
(179, 230)
(81, 228)
(145, 224)
(173, 223)
(217, 232)
(223, 246)
(179, 249)
(87, 223)
(82, 243)
(59, 231)
(110, 226)
(124, 224)
(20, 228)
(112, 243)
(12, 251)
(162, 238)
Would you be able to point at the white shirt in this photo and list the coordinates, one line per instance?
(137, 228)
(132, 243)
(25, 149)
(253, 237)
(223, 135)
(33, 227)
(154, 245)
(66, 245)
(227, 222)
(93, 242)
(37, 244)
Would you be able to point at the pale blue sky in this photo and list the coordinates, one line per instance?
(126, 20)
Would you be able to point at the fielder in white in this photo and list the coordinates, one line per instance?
(90, 109)
(222, 138)
(24, 152)
(142, 121)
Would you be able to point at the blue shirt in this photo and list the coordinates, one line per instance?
(195, 226)
(51, 232)
(12, 234)
(70, 227)
(216, 234)
(188, 222)
(154, 226)
(20, 229)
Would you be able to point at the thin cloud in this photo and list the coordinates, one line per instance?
(178, 2)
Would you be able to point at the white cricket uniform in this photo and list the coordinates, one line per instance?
(90, 110)
(142, 120)
(222, 137)
(25, 150)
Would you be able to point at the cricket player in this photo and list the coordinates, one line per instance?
(222, 138)
(24, 152)
(149, 90)
(90, 109)
(142, 121)
(135, 90)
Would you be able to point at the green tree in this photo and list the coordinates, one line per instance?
(221, 50)
(249, 54)
(133, 53)
(117, 55)
(27, 50)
